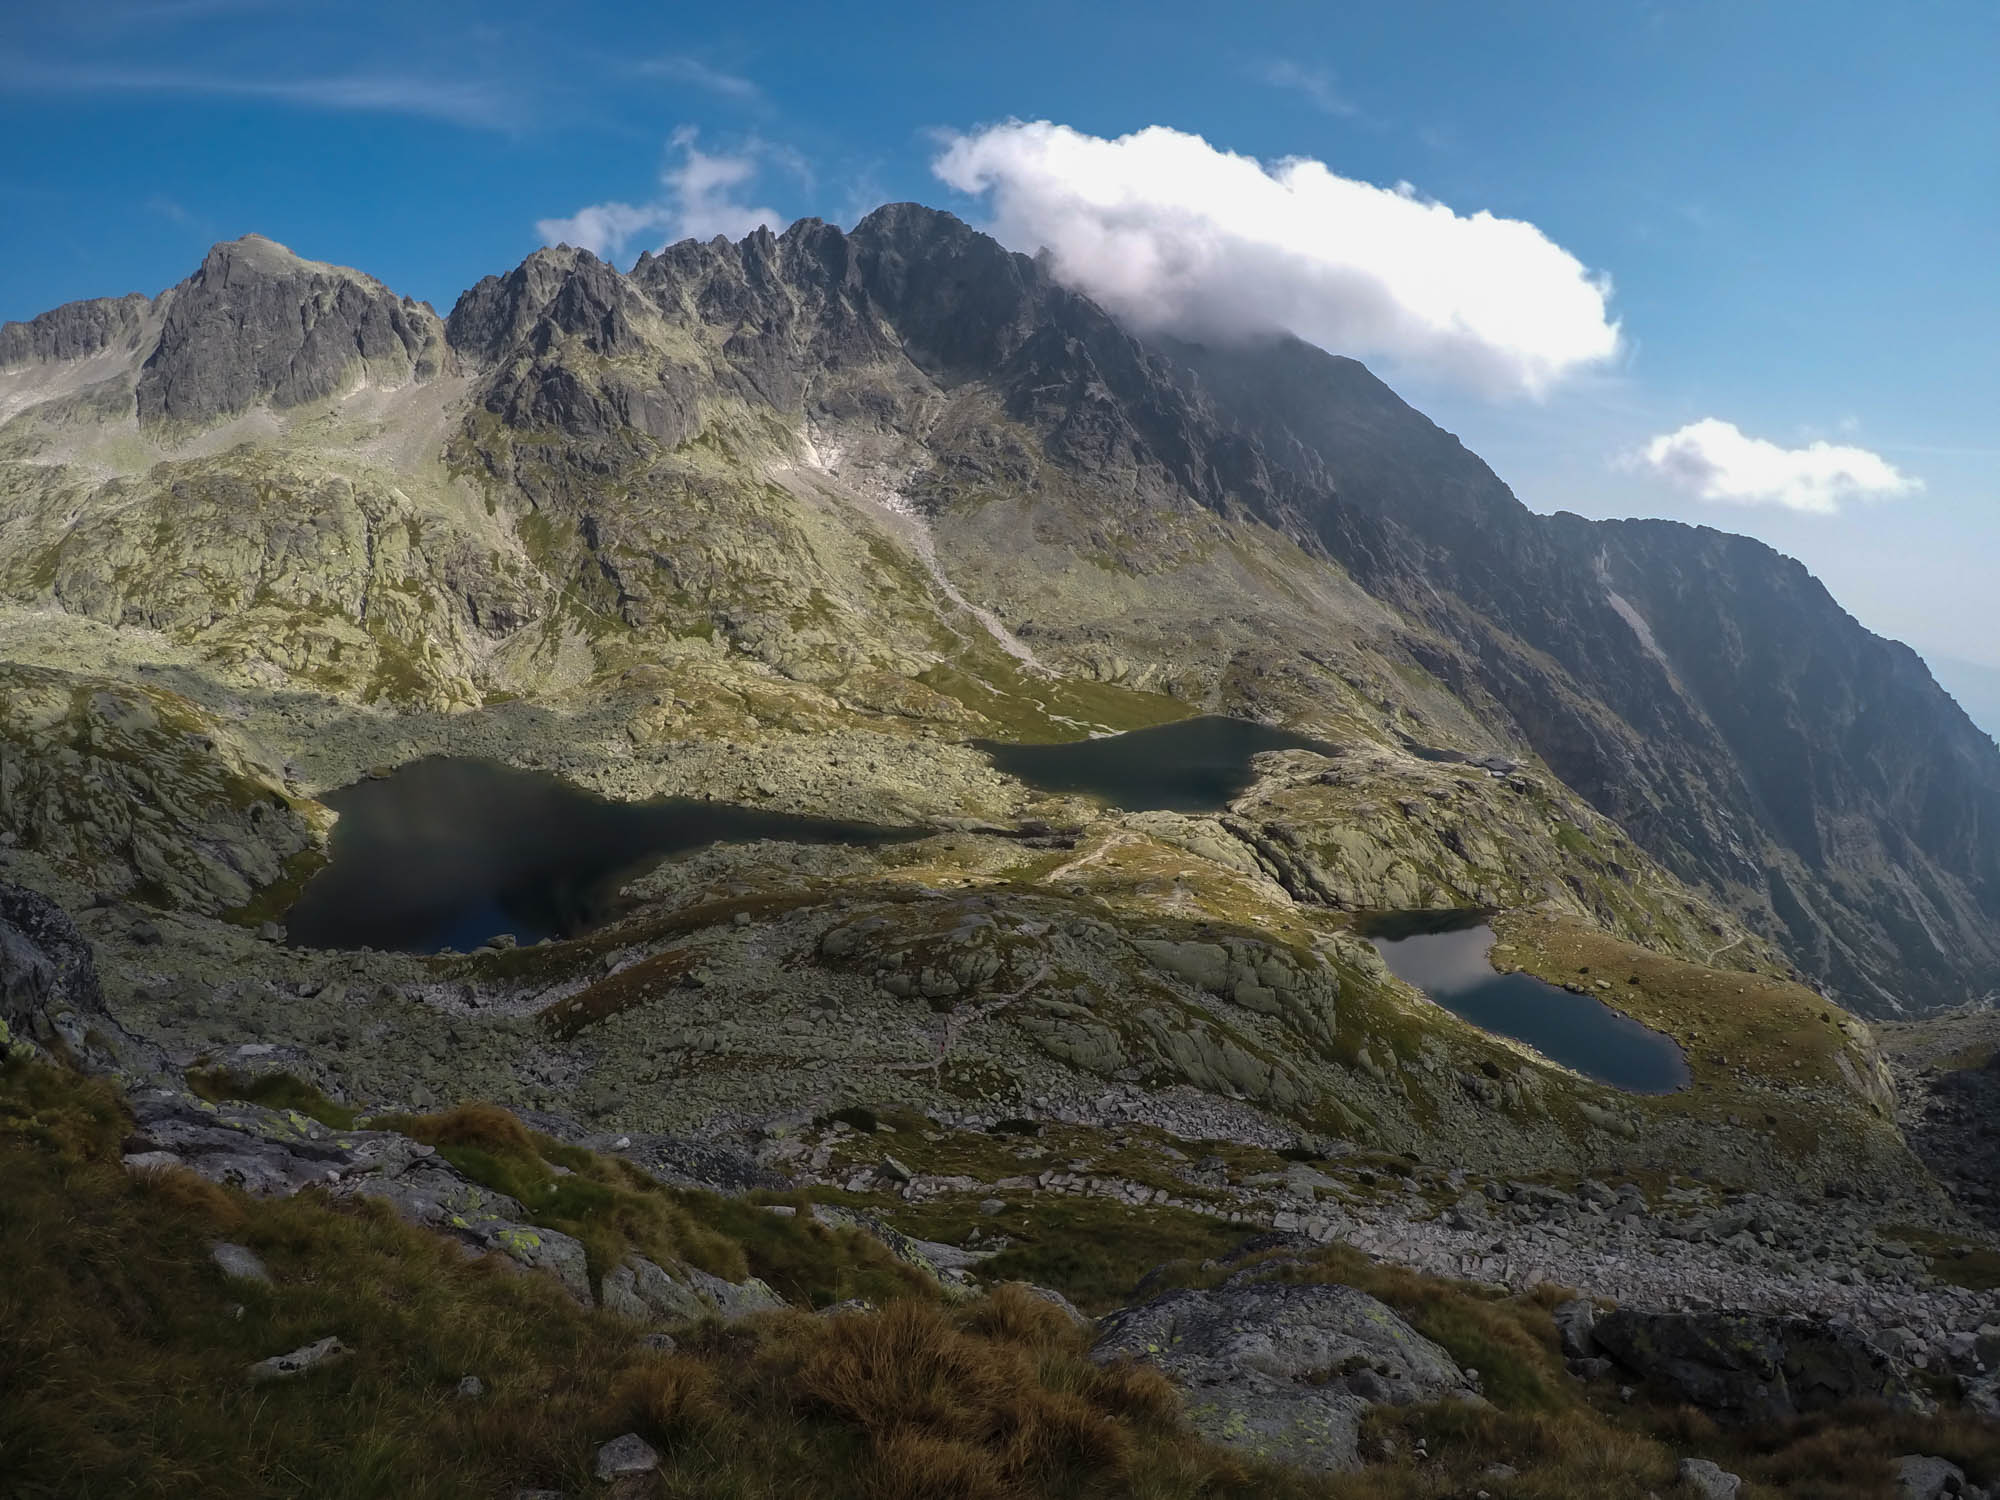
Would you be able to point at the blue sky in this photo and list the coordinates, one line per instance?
(1795, 207)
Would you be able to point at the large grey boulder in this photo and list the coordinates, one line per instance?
(642, 1291)
(1283, 1372)
(238, 1262)
(630, 1454)
(1710, 1481)
(1576, 1322)
(1754, 1366)
(1920, 1477)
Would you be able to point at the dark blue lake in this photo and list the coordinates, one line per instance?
(1445, 954)
(1195, 765)
(450, 851)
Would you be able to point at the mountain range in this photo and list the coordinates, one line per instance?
(910, 470)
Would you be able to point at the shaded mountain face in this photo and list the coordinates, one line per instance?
(907, 470)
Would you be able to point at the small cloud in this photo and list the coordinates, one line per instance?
(1171, 233)
(693, 71)
(1714, 460)
(1314, 84)
(702, 195)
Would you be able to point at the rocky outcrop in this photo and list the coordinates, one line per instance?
(1754, 1367)
(257, 323)
(1919, 1477)
(140, 793)
(641, 1291)
(1284, 1373)
(49, 995)
(276, 1153)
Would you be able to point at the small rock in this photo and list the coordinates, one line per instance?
(1700, 1477)
(238, 1262)
(1574, 1321)
(630, 1454)
(895, 1170)
(271, 932)
(299, 1361)
(471, 1387)
(659, 1343)
(993, 1205)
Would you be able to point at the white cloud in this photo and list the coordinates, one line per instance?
(1171, 233)
(1715, 460)
(701, 195)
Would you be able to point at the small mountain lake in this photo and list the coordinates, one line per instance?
(1193, 765)
(1445, 954)
(450, 851)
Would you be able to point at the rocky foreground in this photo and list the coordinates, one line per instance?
(1749, 1306)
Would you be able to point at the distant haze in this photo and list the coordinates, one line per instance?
(1975, 686)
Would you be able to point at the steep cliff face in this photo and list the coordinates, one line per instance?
(908, 468)
(257, 323)
(1700, 688)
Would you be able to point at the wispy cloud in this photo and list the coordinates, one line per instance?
(698, 74)
(702, 194)
(1716, 461)
(167, 208)
(1315, 85)
(460, 102)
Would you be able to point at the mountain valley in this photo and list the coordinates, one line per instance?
(800, 526)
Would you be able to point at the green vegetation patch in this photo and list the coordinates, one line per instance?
(279, 1091)
(1952, 1259)
(1031, 709)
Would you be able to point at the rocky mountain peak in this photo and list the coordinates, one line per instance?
(258, 323)
(76, 330)
(555, 292)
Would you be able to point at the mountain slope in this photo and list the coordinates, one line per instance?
(903, 472)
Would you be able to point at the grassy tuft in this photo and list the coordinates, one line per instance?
(273, 1091)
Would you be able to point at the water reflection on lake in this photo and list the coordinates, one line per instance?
(1445, 954)
(1195, 765)
(449, 851)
